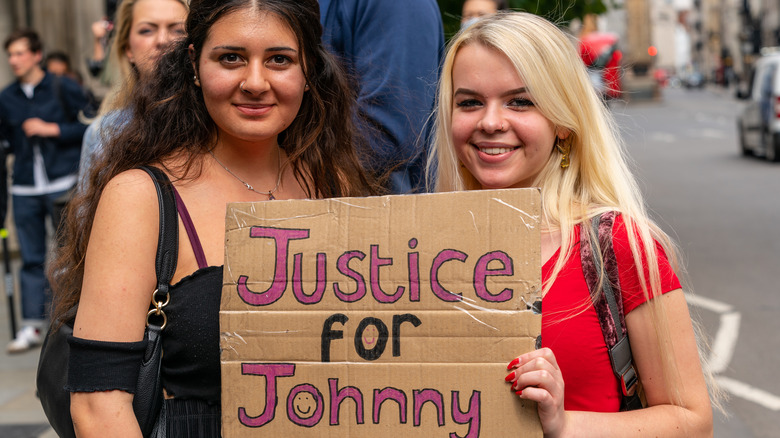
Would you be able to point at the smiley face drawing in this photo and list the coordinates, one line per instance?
(304, 405)
(370, 336)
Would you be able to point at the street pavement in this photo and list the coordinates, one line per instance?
(21, 415)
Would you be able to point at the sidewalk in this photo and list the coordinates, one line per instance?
(21, 415)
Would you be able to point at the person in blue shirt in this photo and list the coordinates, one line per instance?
(39, 118)
(392, 49)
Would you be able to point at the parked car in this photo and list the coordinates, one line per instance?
(759, 122)
(693, 79)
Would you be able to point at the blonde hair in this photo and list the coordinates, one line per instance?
(598, 178)
(122, 74)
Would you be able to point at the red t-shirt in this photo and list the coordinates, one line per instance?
(571, 329)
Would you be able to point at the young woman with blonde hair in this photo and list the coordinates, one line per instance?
(143, 31)
(516, 109)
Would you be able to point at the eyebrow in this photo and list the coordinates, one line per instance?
(243, 49)
(156, 24)
(520, 90)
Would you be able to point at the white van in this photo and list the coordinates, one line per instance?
(759, 122)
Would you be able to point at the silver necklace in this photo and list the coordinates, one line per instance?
(269, 193)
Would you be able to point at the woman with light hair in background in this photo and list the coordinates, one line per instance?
(143, 31)
(516, 110)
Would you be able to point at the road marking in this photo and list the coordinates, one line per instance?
(707, 303)
(723, 347)
(750, 393)
(725, 342)
(706, 133)
(663, 137)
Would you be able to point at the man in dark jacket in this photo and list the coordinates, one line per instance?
(393, 49)
(39, 118)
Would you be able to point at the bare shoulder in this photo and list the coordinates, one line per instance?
(131, 192)
(129, 206)
(132, 185)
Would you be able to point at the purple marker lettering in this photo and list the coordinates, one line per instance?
(282, 238)
(270, 371)
(414, 272)
(343, 266)
(376, 289)
(481, 272)
(297, 280)
(305, 405)
(472, 417)
(338, 395)
(438, 261)
(423, 396)
(396, 395)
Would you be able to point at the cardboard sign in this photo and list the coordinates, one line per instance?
(382, 317)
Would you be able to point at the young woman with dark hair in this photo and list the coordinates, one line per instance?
(248, 107)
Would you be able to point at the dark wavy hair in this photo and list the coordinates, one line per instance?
(169, 118)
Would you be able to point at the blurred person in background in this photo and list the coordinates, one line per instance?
(392, 49)
(473, 10)
(101, 37)
(58, 63)
(144, 30)
(39, 118)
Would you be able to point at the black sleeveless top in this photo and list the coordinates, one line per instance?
(190, 363)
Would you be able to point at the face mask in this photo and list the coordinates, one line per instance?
(468, 22)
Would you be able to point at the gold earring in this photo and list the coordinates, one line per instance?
(564, 149)
(196, 80)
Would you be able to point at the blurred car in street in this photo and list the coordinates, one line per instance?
(692, 79)
(759, 122)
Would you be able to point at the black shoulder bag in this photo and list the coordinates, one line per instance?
(609, 305)
(148, 400)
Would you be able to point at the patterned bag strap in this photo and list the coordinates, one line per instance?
(608, 302)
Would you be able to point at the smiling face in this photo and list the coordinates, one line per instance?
(498, 134)
(155, 24)
(256, 52)
(370, 336)
(304, 405)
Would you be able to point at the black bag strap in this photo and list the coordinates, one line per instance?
(167, 242)
(609, 304)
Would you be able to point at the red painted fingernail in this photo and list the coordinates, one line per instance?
(514, 362)
(519, 392)
(510, 377)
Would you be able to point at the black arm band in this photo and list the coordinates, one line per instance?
(103, 366)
